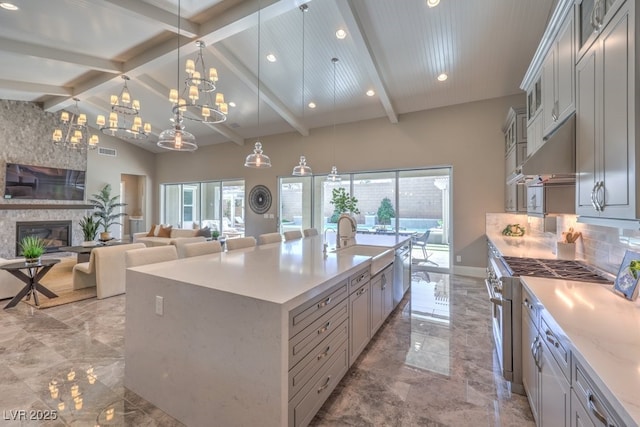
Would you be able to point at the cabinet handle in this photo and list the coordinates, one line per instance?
(325, 353)
(551, 339)
(325, 385)
(538, 350)
(325, 328)
(324, 303)
(600, 200)
(594, 409)
(593, 197)
(361, 291)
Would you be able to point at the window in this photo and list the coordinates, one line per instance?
(218, 205)
(295, 203)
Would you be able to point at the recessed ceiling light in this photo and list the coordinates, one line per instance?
(232, 104)
(433, 3)
(442, 77)
(341, 34)
(312, 105)
(371, 92)
(8, 6)
(271, 57)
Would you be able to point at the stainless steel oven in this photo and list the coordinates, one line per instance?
(505, 295)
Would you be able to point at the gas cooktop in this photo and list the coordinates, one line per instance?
(554, 268)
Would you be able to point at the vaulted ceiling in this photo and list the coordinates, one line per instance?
(53, 51)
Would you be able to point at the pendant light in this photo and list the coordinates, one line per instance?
(334, 176)
(176, 138)
(258, 159)
(302, 169)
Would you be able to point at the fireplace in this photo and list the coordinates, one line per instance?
(55, 234)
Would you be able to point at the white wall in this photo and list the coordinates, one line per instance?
(467, 137)
(130, 160)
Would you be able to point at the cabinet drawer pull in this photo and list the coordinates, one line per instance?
(594, 409)
(325, 353)
(384, 287)
(359, 279)
(551, 339)
(324, 303)
(325, 385)
(325, 328)
(361, 291)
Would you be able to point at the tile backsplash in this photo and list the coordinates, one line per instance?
(602, 247)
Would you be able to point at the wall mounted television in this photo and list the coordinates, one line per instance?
(44, 183)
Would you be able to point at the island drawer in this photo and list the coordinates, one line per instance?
(592, 399)
(307, 313)
(312, 362)
(316, 332)
(304, 406)
(556, 346)
(358, 279)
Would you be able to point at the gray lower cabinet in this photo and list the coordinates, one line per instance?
(589, 406)
(381, 297)
(318, 351)
(544, 378)
(359, 330)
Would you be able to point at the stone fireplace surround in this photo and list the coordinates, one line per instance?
(9, 218)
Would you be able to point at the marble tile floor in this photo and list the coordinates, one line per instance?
(431, 364)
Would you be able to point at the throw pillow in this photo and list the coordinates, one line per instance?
(152, 232)
(204, 232)
(165, 231)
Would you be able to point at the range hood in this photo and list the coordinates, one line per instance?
(554, 162)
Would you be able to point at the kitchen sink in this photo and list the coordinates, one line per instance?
(380, 256)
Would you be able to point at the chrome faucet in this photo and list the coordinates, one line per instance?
(325, 236)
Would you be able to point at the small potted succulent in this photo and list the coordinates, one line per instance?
(215, 234)
(32, 249)
(89, 228)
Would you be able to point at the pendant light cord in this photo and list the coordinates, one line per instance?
(178, 69)
(334, 60)
(259, 7)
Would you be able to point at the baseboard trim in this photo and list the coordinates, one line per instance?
(463, 270)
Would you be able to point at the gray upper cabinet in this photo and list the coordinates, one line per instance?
(558, 77)
(592, 16)
(515, 137)
(605, 122)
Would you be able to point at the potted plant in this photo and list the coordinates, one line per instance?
(342, 202)
(89, 229)
(32, 249)
(385, 212)
(106, 207)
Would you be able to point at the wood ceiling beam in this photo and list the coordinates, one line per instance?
(358, 32)
(40, 51)
(35, 88)
(248, 78)
(155, 86)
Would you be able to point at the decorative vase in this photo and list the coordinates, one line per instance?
(32, 261)
(105, 235)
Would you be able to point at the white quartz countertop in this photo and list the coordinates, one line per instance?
(288, 273)
(523, 247)
(604, 331)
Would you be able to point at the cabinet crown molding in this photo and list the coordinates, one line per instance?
(563, 8)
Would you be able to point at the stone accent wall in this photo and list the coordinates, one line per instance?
(25, 137)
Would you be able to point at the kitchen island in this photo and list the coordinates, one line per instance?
(238, 338)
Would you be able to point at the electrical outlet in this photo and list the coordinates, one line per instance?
(458, 258)
(159, 305)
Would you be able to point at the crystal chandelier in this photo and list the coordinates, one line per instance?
(73, 132)
(197, 97)
(302, 168)
(176, 138)
(258, 159)
(124, 119)
(333, 176)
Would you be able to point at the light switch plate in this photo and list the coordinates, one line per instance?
(159, 305)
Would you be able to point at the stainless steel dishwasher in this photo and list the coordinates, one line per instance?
(401, 272)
